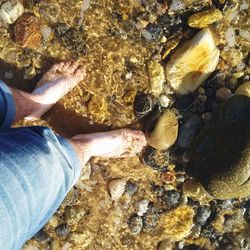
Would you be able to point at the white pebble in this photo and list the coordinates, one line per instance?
(176, 5)
(46, 32)
(164, 101)
(245, 34)
(244, 5)
(147, 35)
(230, 36)
(117, 188)
(10, 11)
(8, 75)
(142, 207)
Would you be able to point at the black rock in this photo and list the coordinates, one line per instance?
(135, 224)
(247, 212)
(220, 154)
(171, 25)
(131, 187)
(189, 129)
(228, 242)
(143, 104)
(149, 158)
(184, 103)
(202, 215)
(170, 199)
(193, 247)
(155, 31)
(150, 218)
(70, 38)
(158, 190)
(215, 80)
(62, 230)
(209, 231)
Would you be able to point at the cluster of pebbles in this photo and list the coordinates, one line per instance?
(195, 112)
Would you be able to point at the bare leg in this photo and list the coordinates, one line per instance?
(117, 143)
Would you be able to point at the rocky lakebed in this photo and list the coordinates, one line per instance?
(177, 69)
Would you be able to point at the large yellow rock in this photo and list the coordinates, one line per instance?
(178, 223)
(204, 18)
(244, 89)
(192, 63)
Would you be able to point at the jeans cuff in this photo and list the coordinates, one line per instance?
(7, 106)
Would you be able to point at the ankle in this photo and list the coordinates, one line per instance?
(26, 104)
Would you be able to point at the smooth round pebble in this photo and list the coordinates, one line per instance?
(223, 93)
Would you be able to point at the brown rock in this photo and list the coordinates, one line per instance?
(27, 31)
(223, 93)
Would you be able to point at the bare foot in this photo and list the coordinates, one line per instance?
(117, 143)
(57, 82)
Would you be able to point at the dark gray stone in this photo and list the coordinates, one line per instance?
(189, 129)
(220, 155)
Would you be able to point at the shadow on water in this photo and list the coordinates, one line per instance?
(64, 122)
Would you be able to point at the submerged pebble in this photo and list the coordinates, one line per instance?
(10, 11)
(220, 153)
(170, 199)
(27, 31)
(62, 230)
(189, 129)
(204, 18)
(117, 188)
(143, 104)
(157, 77)
(192, 63)
(162, 133)
(142, 207)
(135, 224)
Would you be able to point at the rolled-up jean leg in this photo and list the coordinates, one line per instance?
(37, 169)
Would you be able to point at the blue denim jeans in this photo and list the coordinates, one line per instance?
(37, 169)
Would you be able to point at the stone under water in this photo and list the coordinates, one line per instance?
(27, 31)
(220, 155)
(161, 132)
(244, 89)
(192, 63)
(10, 11)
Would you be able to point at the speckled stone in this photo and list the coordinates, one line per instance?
(27, 31)
(220, 155)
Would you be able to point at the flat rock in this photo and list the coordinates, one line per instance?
(162, 131)
(204, 18)
(192, 63)
(220, 155)
(157, 77)
(27, 31)
(10, 11)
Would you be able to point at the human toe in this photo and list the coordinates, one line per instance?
(66, 67)
(80, 72)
